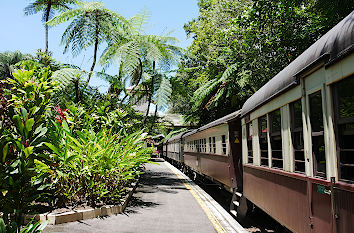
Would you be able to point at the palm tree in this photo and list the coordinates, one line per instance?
(91, 25)
(48, 7)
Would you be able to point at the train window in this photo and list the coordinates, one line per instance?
(263, 139)
(275, 139)
(210, 145)
(214, 145)
(297, 135)
(344, 118)
(204, 143)
(223, 144)
(249, 143)
(318, 146)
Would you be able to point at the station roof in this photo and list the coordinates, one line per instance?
(335, 44)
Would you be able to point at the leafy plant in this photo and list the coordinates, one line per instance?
(29, 228)
(22, 142)
(95, 167)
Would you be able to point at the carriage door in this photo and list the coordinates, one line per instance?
(235, 158)
(319, 192)
(181, 151)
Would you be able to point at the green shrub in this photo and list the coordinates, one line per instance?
(22, 141)
(95, 167)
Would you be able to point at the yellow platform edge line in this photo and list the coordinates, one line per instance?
(209, 214)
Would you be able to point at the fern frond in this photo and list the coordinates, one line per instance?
(138, 21)
(229, 72)
(163, 92)
(204, 92)
(64, 77)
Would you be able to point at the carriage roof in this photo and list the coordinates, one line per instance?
(217, 122)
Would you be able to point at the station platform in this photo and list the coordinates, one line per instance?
(166, 200)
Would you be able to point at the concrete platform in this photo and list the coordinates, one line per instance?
(165, 201)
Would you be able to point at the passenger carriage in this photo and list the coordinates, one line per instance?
(214, 149)
(298, 138)
(173, 151)
(295, 156)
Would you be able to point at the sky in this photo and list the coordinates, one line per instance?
(26, 33)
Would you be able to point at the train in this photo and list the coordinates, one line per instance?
(290, 149)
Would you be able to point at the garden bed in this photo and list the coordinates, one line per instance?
(64, 215)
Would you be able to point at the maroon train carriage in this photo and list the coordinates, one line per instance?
(173, 151)
(298, 138)
(214, 151)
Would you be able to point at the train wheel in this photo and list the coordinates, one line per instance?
(239, 205)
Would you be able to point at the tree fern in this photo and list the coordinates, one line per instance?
(65, 77)
(91, 26)
(49, 8)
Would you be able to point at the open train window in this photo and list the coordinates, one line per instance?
(297, 135)
(317, 133)
(210, 145)
(263, 139)
(275, 139)
(214, 145)
(223, 144)
(249, 142)
(198, 145)
(343, 96)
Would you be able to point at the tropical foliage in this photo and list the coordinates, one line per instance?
(61, 156)
(239, 45)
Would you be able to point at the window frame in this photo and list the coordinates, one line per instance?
(249, 138)
(316, 134)
(338, 122)
(293, 130)
(273, 135)
(223, 144)
(260, 135)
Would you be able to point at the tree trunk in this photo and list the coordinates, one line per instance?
(153, 120)
(47, 13)
(150, 93)
(77, 91)
(94, 53)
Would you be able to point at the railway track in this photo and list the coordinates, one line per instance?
(257, 221)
